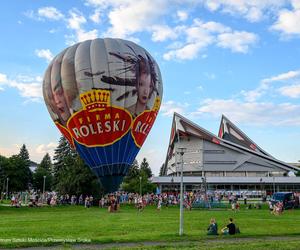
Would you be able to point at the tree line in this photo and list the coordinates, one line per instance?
(67, 174)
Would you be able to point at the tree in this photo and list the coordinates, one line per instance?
(132, 180)
(46, 163)
(43, 169)
(61, 153)
(4, 162)
(133, 171)
(161, 170)
(145, 168)
(18, 173)
(78, 179)
(71, 174)
(24, 156)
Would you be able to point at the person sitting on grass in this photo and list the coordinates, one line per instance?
(230, 228)
(213, 227)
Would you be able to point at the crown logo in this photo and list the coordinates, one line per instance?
(95, 99)
(156, 104)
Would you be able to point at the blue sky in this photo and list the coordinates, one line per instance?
(239, 58)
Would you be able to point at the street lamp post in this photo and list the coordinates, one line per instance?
(7, 179)
(141, 186)
(3, 190)
(181, 152)
(44, 188)
(273, 184)
(205, 191)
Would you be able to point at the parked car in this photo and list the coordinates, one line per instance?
(288, 199)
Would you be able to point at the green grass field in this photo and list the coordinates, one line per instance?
(43, 226)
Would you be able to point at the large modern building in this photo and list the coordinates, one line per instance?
(230, 161)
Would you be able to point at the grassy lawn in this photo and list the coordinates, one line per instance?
(96, 225)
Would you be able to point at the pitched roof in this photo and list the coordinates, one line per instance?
(230, 132)
(182, 127)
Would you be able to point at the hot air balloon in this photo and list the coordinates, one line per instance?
(104, 96)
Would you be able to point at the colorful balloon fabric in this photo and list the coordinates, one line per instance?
(104, 96)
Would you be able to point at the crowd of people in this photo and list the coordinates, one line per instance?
(276, 208)
(33, 198)
(113, 201)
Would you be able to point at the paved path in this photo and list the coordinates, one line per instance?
(166, 243)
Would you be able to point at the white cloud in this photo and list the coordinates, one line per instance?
(265, 86)
(28, 87)
(104, 3)
(237, 41)
(295, 4)
(96, 16)
(203, 34)
(83, 35)
(252, 112)
(162, 33)
(3, 78)
(168, 108)
(75, 22)
(189, 51)
(9, 150)
(182, 15)
(49, 148)
(32, 91)
(292, 91)
(44, 53)
(129, 17)
(288, 22)
(211, 27)
(282, 77)
(212, 5)
(253, 11)
(252, 95)
(50, 13)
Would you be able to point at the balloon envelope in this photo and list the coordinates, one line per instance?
(104, 96)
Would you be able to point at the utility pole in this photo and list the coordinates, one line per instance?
(141, 186)
(181, 152)
(44, 188)
(7, 179)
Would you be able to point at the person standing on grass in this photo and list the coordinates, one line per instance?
(159, 204)
(87, 202)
